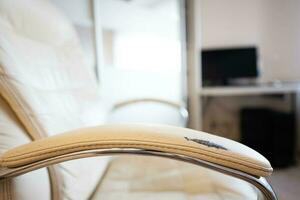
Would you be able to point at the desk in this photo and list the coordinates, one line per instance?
(264, 89)
(250, 90)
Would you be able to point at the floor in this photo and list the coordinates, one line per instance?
(286, 183)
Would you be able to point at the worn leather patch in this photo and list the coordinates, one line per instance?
(206, 143)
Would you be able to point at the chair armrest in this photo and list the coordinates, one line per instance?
(166, 139)
(182, 110)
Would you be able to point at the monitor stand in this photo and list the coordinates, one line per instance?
(242, 82)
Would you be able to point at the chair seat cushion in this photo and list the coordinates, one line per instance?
(144, 177)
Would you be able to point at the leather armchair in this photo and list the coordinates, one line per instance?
(200, 148)
(45, 91)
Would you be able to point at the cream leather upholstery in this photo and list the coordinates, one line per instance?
(46, 89)
(13, 134)
(46, 83)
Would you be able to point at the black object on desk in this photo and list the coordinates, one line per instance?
(271, 133)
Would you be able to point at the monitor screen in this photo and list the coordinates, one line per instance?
(221, 65)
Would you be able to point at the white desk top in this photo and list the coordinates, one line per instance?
(278, 88)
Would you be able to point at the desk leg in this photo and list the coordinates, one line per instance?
(296, 107)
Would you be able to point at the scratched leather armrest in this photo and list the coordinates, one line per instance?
(167, 139)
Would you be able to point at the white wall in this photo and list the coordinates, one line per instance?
(281, 39)
(230, 22)
(272, 25)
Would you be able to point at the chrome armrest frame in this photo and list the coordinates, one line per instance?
(182, 110)
(259, 182)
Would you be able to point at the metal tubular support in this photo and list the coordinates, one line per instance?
(259, 182)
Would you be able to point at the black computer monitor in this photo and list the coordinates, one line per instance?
(219, 66)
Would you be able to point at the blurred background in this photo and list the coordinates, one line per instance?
(234, 64)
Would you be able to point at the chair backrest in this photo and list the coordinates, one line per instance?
(47, 89)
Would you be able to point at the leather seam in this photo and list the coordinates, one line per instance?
(27, 155)
(141, 141)
(23, 112)
(22, 115)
